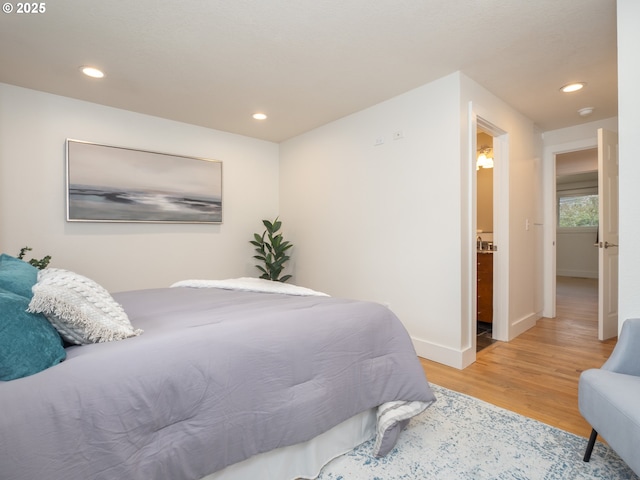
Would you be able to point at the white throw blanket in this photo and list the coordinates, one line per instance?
(248, 284)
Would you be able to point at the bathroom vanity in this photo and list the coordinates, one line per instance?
(485, 286)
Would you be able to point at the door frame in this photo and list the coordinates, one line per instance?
(549, 201)
(500, 235)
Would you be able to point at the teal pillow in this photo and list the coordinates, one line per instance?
(17, 276)
(28, 342)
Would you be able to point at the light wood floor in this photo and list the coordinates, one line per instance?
(537, 373)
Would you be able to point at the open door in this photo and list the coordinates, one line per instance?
(607, 234)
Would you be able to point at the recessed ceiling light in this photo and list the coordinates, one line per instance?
(259, 116)
(92, 72)
(573, 87)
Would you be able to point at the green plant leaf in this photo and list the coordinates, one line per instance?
(271, 248)
(41, 264)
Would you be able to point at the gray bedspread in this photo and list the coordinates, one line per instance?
(217, 377)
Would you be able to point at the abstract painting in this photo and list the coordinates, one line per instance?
(117, 184)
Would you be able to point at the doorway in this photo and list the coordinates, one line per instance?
(576, 195)
(484, 240)
(577, 213)
(495, 235)
(607, 238)
(604, 241)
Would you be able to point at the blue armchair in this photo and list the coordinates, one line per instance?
(609, 398)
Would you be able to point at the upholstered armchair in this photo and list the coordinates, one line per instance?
(609, 398)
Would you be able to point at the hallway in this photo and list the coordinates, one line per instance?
(578, 298)
(537, 373)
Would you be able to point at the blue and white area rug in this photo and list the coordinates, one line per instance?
(460, 437)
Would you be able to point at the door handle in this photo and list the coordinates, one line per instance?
(607, 245)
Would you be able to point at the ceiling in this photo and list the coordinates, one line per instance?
(577, 166)
(587, 177)
(307, 62)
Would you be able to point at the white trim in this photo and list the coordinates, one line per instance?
(447, 356)
(468, 243)
(522, 325)
(501, 288)
(577, 273)
(501, 327)
(576, 230)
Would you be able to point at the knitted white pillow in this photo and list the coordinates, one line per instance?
(81, 310)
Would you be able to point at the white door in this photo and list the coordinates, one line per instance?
(607, 234)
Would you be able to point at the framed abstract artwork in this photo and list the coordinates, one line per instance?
(116, 184)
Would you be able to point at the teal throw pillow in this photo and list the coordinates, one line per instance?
(17, 276)
(28, 342)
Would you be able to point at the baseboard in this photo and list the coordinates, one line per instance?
(461, 359)
(524, 324)
(577, 273)
(441, 354)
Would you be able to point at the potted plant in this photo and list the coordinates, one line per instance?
(39, 264)
(271, 249)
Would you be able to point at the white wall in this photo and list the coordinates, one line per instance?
(390, 223)
(382, 222)
(518, 227)
(629, 122)
(577, 137)
(576, 255)
(33, 128)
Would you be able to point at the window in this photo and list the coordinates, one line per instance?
(576, 210)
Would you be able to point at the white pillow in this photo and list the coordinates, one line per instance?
(81, 310)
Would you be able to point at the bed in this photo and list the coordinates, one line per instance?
(218, 381)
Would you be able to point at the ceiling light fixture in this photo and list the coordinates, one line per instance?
(92, 72)
(484, 160)
(573, 87)
(586, 111)
(259, 116)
